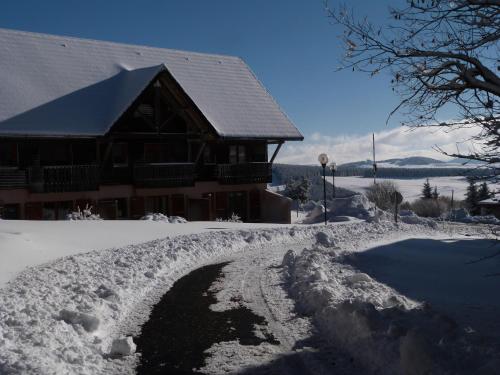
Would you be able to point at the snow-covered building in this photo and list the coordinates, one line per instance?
(490, 206)
(131, 129)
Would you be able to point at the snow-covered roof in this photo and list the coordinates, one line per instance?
(63, 86)
(490, 201)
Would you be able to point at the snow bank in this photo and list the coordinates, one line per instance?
(155, 216)
(461, 215)
(384, 331)
(65, 316)
(25, 243)
(76, 314)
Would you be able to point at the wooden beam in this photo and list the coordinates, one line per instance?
(200, 151)
(178, 101)
(157, 105)
(166, 122)
(150, 123)
(276, 152)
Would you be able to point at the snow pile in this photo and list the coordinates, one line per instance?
(461, 215)
(414, 219)
(122, 346)
(64, 316)
(156, 216)
(487, 219)
(359, 207)
(342, 209)
(384, 331)
(85, 214)
(315, 214)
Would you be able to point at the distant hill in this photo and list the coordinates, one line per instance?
(415, 160)
(465, 161)
(412, 161)
(412, 167)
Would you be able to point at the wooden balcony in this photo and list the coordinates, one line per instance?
(12, 178)
(248, 173)
(117, 175)
(164, 174)
(63, 178)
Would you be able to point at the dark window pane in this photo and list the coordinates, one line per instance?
(8, 154)
(120, 154)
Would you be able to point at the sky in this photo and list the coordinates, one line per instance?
(291, 46)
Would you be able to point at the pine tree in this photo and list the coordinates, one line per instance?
(427, 191)
(435, 193)
(472, 197)
(297, 190)
(484, 192)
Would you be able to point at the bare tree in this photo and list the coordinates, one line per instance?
(438, 53)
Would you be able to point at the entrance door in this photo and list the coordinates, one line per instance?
(237, 204)
(199, 210)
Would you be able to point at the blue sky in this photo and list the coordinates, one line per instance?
(290, 45)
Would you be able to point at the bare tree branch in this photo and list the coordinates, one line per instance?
(439, 53)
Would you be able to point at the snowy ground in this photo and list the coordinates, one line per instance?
(410, 188)
(409, 305)
(29, 243)
(62, 316)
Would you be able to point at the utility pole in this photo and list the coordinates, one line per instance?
(323, 160)
(374, 162)
(451, 213)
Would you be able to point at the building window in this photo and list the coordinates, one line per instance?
(258, 153)
(153, 153)
(242, 155)
(55, 153)
(120, 154)
(237, 154)
(8, 154)
(169, 152)
(208, 155)
(233, 154)
(84, 152)
(10, 211)
(56, 210)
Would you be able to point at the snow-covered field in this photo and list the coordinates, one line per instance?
(410, 188)
(29, 243)
(362, 286)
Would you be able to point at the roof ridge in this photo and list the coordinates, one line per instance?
(100, 41)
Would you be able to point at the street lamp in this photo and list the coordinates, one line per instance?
(323, 160)
(333, 168)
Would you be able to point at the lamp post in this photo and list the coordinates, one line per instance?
(333, 168)
(323, 160)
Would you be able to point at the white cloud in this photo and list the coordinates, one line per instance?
(393, 143)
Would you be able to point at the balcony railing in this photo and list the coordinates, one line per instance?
(116, 175)
(247, 173)
(164, 174)
(68, 178)
(12, 178)
(63, 178)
